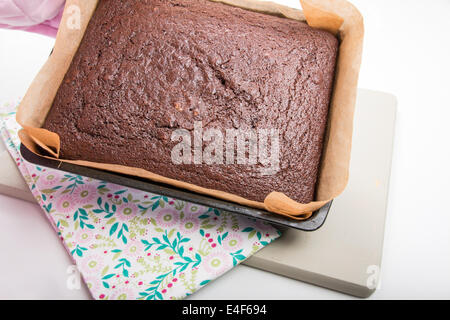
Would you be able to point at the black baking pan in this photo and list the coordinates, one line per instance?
(313, 223)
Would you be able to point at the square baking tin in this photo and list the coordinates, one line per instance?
(314, 222)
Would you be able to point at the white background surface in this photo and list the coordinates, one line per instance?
(407, 53)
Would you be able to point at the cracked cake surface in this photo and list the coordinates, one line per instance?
(147, 68)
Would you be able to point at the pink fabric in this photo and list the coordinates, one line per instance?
(40, 16)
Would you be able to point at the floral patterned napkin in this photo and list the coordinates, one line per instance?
(131, 244)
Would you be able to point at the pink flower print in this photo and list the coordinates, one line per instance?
(232, 242)
(114, 188)
(263, 227)
(66, 204)
(133, 249)
(123, 294)
(189, 225)
(48, 179)
(139, 194)
(91, 264)
(85, 236)
(93, 283)
(167, 218)
(194, 210)
(85, 193)
(217, 263)
(126, 211)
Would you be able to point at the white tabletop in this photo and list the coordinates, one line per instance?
(406, 53)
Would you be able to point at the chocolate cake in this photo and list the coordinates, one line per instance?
(147, 68)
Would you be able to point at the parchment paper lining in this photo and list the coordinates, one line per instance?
(336, 16)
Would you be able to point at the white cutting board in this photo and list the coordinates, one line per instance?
(345, 254)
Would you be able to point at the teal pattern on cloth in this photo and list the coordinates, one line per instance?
(131, 244)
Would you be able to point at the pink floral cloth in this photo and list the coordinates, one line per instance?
(40, 16)
(130, 244)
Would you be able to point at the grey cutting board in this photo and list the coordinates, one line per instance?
(345, 254)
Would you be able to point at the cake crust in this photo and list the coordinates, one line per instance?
(147, 68)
